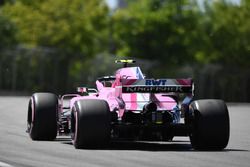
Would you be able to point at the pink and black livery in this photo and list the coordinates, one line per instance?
(127, 105)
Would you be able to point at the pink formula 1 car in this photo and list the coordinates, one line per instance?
(130, 106)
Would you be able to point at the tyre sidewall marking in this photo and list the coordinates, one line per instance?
(76, 125)
(32, 115)
(33, 110)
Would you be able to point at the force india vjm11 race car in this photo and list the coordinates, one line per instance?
(130, 106)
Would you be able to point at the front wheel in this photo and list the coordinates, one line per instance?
(210, 125)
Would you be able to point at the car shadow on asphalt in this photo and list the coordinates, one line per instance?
(62, 139)
(142, 146)
(149, 146)
(175, 146)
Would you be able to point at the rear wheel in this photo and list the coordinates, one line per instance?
(42, 116)
(210, 125)
(90, 123)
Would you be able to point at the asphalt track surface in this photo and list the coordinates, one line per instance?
(17, 149)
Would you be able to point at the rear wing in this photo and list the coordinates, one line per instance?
(157, 86)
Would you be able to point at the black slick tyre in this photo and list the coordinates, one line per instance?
(210, 125)
(90, 123)
(42, 116)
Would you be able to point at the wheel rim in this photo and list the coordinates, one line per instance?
(31, 118)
